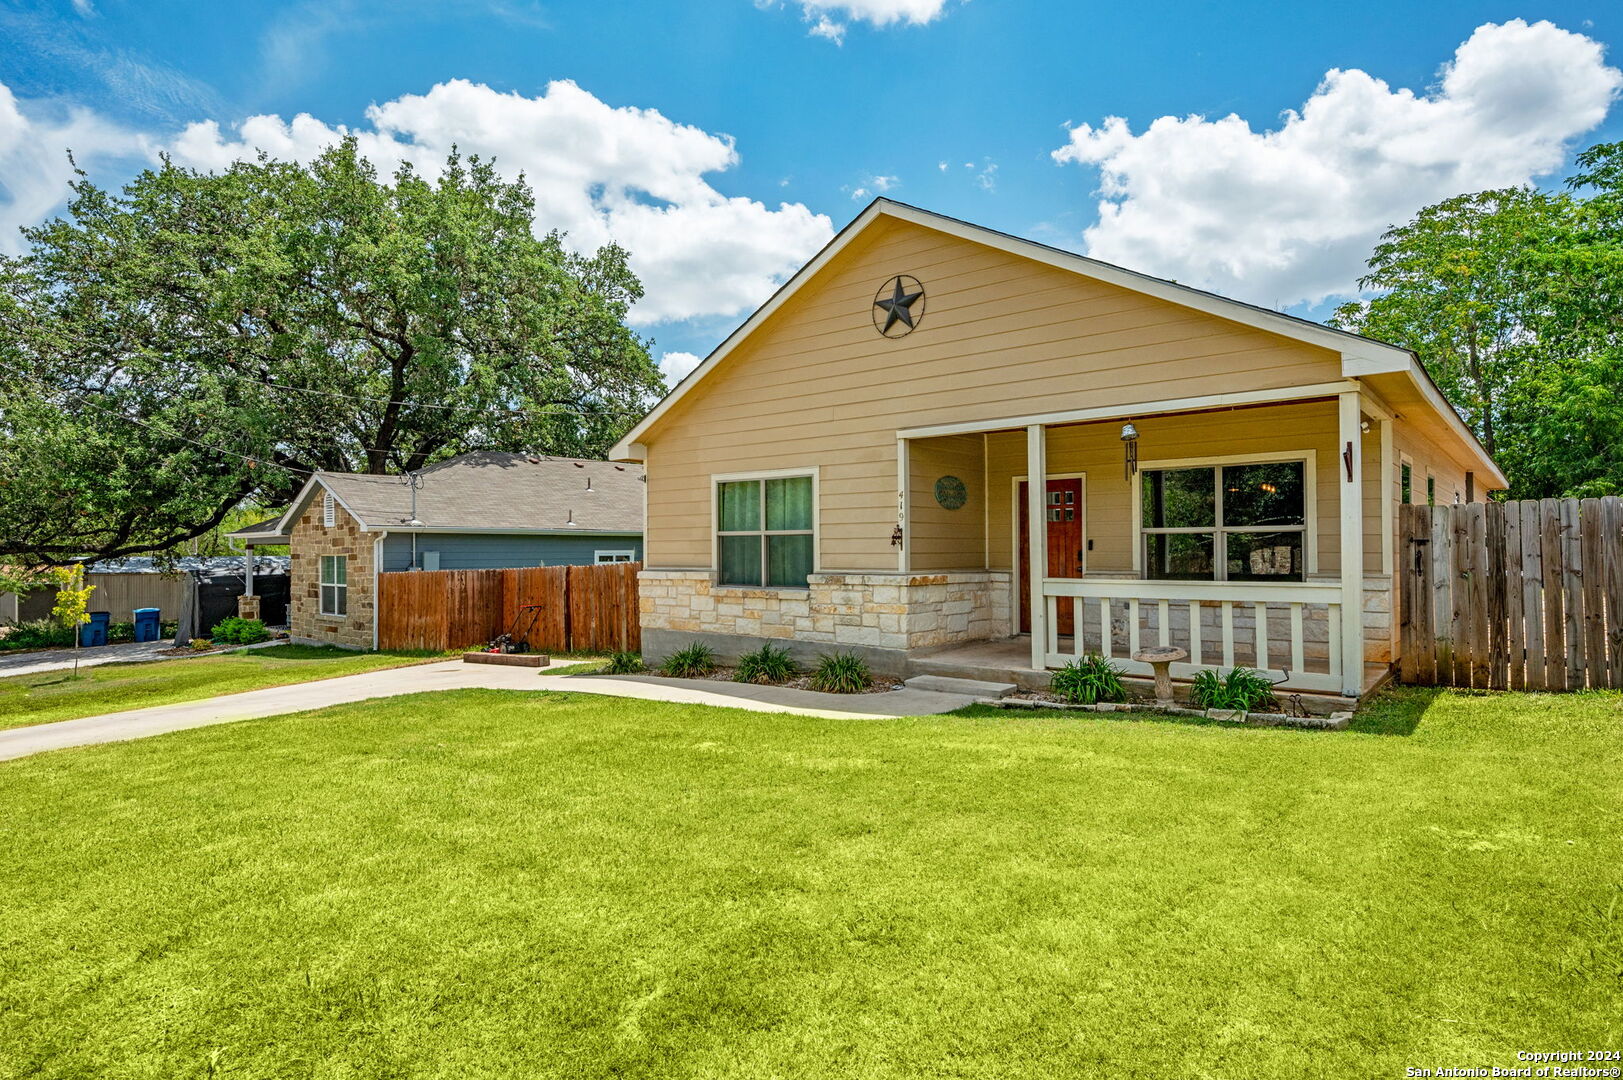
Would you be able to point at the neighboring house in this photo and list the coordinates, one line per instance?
(475, 512)
(122, 585)
(849, 469)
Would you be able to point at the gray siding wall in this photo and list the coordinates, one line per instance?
(490, 551)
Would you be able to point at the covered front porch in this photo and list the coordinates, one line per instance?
(1219, 526)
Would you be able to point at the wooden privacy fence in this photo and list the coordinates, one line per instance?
(1513, 596)
(583, 608)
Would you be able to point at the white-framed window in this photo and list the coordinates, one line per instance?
(766, 532)
(1227, 520)
(329, 509)
(1431, 488)
(335, 585)
(601, 557)
(1405, 482)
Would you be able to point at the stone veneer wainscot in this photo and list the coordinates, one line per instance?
(866, 610)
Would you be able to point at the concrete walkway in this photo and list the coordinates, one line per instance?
(451, 675)
(903, 702)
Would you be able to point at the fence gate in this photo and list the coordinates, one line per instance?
(1513, 596)
(582, 608)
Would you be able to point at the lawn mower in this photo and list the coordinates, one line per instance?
(517, 638)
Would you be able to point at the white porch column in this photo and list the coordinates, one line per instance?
(248, 569)
(1037, 550)
(1351, 470)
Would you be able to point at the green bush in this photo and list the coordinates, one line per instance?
(1242, 689)
(38, 634)
(624, 663)
(120, 632)
(235, 631)
(694, 662)
(841, 673)
(1088, 680)
(767, 665)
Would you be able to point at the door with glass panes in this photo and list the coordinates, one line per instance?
(1063, 509)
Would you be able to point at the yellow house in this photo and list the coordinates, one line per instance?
(857, 465)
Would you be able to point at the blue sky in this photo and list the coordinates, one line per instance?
(959, 107)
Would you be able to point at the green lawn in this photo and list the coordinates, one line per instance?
(492, 884)
(57, 695)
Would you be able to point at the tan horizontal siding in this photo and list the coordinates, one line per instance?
(1001, 337)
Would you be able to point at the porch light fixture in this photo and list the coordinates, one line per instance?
(1129, 438)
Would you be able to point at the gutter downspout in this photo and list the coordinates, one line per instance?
(377, 563)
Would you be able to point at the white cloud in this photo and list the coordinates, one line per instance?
(874, 185)
(829, 18)
(599, 172)
(34, 168)
(675, 365)
(1289, 215)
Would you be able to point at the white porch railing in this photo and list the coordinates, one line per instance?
(1290, 630)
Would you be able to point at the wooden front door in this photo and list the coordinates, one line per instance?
(1063, 508)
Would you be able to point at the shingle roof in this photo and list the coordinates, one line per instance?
(489, 490)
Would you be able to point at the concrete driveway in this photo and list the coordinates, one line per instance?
(31, 663)
(451, 675)
(129, 652)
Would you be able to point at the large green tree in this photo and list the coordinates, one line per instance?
(1565, 414)
(1453, 286)
(198, 339)
(1513, 300)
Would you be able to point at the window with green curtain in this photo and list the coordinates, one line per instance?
(764, 532)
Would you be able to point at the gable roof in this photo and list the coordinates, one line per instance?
(1360, 356)
(484, 491)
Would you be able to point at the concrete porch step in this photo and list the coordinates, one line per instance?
(946, 684)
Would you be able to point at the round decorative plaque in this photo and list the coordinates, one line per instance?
(951, 493)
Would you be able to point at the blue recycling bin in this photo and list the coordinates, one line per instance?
(94, 632)
(147, 626)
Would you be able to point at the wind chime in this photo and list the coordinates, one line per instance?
(1129, 441)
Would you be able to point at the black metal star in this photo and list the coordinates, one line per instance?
(898, 306)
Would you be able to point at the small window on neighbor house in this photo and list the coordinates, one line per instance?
(1406, 484)
(764, 532)
(334, 585)
(614, 556)
(1431, 490)
(329, 510)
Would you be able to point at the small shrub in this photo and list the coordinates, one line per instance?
(38, 634)
(624, 663)
(767, 665)
(235, 631)
(841, 673)
(694, 662)
(1088, 680)
(199, 644)
(120, 632)
(1242, 689)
